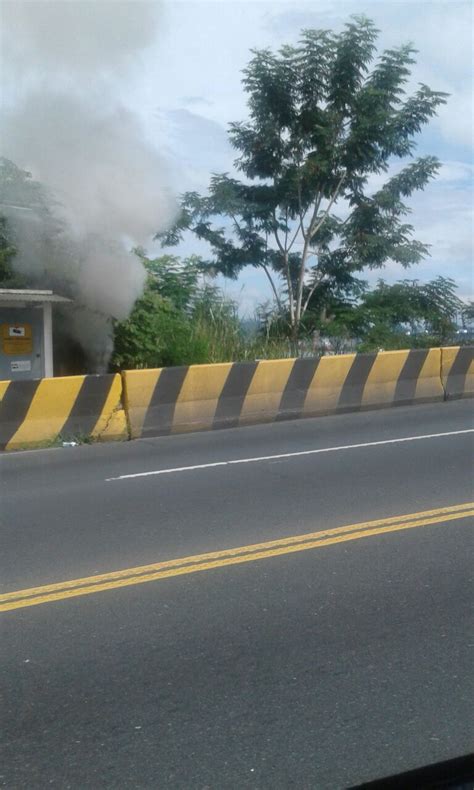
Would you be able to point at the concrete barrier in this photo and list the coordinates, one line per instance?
(205, 397)
(355, 382)
(457, 371)
(142, 403)
(34, 413)
(169, 400)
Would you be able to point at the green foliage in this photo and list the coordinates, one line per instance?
(324, 116)
(158, 332)
(155, 335)
(181, 319)
(409, 302)
(407, 313)
(174, 280)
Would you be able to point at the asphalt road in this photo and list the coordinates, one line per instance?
(330, 663)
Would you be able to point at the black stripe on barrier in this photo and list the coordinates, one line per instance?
(88, 406)
(14, 407)
(352, 390)
(160, 412)
(296, 389)
(231, 399)
(405, 388)
(456, 382)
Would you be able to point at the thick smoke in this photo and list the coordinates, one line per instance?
(64, 65)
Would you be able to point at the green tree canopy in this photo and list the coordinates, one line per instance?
(382, 317)
(410, 302)
(324, 116)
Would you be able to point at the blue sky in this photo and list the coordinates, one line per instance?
(192, 91)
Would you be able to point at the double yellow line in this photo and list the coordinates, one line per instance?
(220, 559)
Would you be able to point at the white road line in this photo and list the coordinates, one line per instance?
(289, 455)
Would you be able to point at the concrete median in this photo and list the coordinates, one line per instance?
(205, 397)
(142, 403)
(38, 412)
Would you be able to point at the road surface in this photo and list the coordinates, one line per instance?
(304, 617)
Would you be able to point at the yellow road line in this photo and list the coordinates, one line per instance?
(307, 536)
(201, 562)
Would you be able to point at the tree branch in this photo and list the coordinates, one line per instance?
(286, 228)
(284, 253)
(301, 216)
(317, 282)
(275, 231)
(301, 213)
(304, 255)
(298, 229)
(313, 231)
(232, 216)
(275, 292)
(313, 228)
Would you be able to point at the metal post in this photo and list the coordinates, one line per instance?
(48, 339)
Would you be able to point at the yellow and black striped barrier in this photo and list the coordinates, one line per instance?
(33, 413)
(205, 397)
(140, 403)
(457, 371)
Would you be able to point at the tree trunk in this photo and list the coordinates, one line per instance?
(294, 345)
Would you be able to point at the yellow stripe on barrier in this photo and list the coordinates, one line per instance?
(139, 386)
(326, 386)
(382, 380)
(198, 398)
(48, 411)
(112, 422)
(264, 393)
(429, 385)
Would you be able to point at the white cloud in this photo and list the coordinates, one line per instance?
(456, 172)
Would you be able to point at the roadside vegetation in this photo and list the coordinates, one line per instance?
(183, 318)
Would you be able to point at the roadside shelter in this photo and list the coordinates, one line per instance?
(26, 333)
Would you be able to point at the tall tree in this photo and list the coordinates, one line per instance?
(324, 116)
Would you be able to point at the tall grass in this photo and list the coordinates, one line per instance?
(216, 325)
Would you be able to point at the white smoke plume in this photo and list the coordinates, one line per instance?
(65, 64)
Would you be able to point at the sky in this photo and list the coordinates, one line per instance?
(191, 91)
(185, 87)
